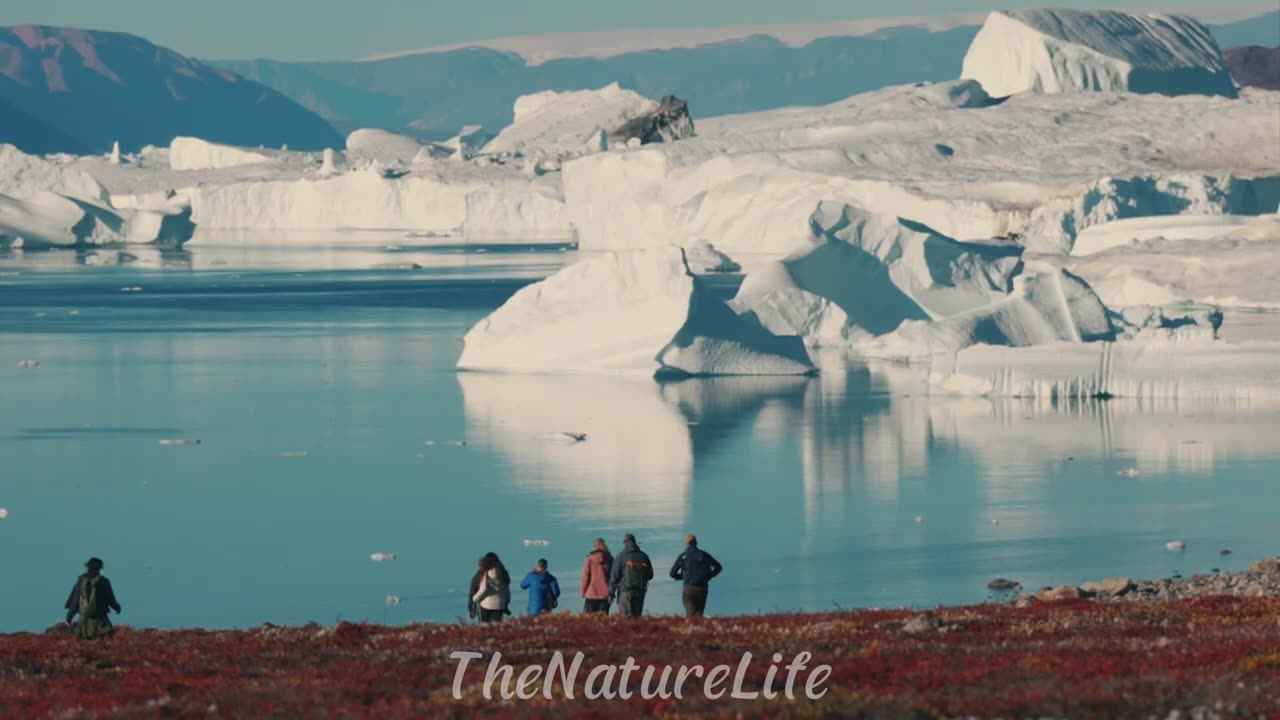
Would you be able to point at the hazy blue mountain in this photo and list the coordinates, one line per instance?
(1263, 31)
(434, 94)
(93, 88)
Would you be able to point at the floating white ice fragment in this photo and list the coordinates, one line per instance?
(1130, 472)
(454, 443)
(919, 518)
(180, 441)
(294, 454)
(3, 513)
(1175, 546)
(393, 600)
(570, 437)
(382, 557)
(133, 288)
(28, 363)
(536, 543)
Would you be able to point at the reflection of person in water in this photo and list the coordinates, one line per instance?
(91, 598)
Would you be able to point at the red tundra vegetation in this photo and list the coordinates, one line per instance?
(1215, 655)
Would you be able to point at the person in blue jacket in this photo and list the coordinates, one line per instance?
(544, 589)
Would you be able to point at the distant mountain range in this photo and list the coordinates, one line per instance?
(79, 90)
(432, 94)
(82, 90)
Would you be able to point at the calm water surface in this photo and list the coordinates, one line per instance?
(848, 489)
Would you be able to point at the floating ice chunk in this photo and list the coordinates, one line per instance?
(639, 312)
(114, 158)
(189, 153)
(28, 363)
(329, 166)
(180, 441)
(382, 557)
(387, 147)
(919, 518)
(1175, 546)
(133, 288)
(536, 543)
(393, 600)
(3, 513)
(454, 443)
(1132, 472)
(569, 437)
(294, 454)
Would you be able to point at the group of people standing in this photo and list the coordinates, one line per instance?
(605, 579)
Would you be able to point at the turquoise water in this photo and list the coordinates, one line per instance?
(847, 489)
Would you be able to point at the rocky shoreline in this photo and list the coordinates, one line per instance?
(1262, 579)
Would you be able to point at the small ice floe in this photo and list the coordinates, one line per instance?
(133, 288)
(452, 443)
(294, 454)
(995, 522)
(1132, 472)
(28, 363)
(393, 600)
(382, 557)
(919, 518)
(536, 543)
(567, 437)
(394, 248)
(1175, 546)
(3, 513)
(42, 314)
(73, 312)
(180, 441)
(1224, 552)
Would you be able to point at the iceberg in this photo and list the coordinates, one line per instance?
(189, 153)
(1036, 168)
(568, 124)
(1120, 233)
(1061, 51)
(640, 312)
(887, 287)
(45, 205)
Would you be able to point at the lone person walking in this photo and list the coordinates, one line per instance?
(91, 598)
(696, 568)
(630, 578)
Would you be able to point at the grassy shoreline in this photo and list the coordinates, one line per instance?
(1052, 659)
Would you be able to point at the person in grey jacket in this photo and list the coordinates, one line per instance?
(629, 579)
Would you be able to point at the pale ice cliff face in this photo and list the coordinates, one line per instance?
(638, 312)
(1061, 51)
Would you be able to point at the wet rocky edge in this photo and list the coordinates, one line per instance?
(1262, 579)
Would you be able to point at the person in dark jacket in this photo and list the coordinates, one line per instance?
(629, 579)
(595, 578)
(543, 587)
(91, 598)
(473, 607)
(493, 595)
(696, 568)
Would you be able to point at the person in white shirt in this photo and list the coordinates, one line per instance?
(494, 593)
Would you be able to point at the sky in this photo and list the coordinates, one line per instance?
(347, 29)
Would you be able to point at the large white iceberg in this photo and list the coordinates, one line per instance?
(1058, 51)
(889, 287)
(639, 312)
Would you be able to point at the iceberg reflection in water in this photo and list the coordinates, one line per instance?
(807, 488)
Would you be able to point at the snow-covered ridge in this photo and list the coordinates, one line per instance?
(1057, 51)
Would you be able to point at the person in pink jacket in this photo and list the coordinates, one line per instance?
(595, 578)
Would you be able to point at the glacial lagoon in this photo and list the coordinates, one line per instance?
(331, 425)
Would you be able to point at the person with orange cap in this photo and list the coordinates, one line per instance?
(696, 568)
